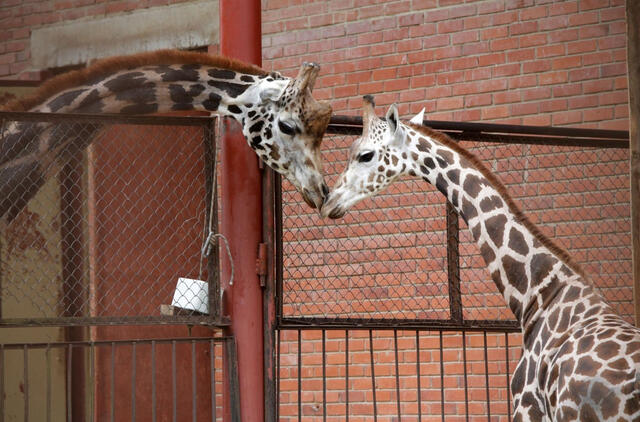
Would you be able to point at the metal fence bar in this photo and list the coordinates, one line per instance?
(395, 349)
(486, 375)
(212, 362)
(418, 385)
(69, 380)
(174, 389)
(466, 383)
(506, 354)
(2, 393)
(324, 378)
(373, 377)
(113, 381)
(48, 392)
(346, 381)
(441, 376)
(26, 382)
(153, 381)
(194, 388)
(133, 381)
(92, 383)
(299, 375)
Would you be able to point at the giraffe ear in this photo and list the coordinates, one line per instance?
(395, 130)
(418, 118)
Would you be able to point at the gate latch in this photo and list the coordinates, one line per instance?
(261, 263)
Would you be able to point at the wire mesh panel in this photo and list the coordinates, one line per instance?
(101, 217)
(404, 260)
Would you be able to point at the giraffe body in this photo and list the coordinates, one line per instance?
(580, 361)
(280, 119)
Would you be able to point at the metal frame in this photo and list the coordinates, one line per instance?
(276, 323)
(499, 133)
(207, 124)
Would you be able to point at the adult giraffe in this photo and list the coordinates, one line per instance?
(580, 361)
(280, 119)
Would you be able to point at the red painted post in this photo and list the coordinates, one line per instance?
(241, 223)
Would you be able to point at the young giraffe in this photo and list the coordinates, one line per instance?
(282, 122)
(580, 360)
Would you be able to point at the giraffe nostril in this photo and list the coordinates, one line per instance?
(325, 189)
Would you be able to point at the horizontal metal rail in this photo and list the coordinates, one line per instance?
(403, 324)
(106, 118)
(493, 132)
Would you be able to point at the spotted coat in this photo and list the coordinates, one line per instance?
(280, 119)
(580, 361)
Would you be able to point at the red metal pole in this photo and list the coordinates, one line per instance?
(241, 223)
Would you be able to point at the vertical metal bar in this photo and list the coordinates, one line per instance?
(212, 358)
(194, 391)
(373, 377)
(113, 381)
(486, 375)
(133, 381)
(299, 376)
(346, 364)
(153, 381)
(277, 378)
(2, 406)
(69, 381)
(26, 382)
(173, 382)
(466, 385)
(418, 375)
(48, 397)
(506, 354)
(395, 348)
(324, 378)
(453, 264)
(92, 383)
(441, 376)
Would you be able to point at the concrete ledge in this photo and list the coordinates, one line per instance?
(185, 25)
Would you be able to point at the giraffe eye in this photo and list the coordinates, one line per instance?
(365, 157)
(286, 128)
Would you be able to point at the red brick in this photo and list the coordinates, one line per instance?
(591, 4)
(550, 51)
(553, 78)
(524, 108)
(536, 94)
(584, 74)
(494, 32)
(534, 12)
(504, 44)
(475, 22)
(507, 97)
(563, 35)
(566, 62)
(521, 55)
(475, 48)
(532, 40)
(613, 69)
(506, 70)
(594, 31)
(567, 90)
(523, 28)
(583, 101)
(450, 26)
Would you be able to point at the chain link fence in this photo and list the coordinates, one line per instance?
(387, 259)
(102, 216)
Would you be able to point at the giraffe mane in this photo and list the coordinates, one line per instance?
(114, 64)
(562, 254)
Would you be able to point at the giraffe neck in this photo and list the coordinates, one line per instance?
(163, 88)
(530, 272)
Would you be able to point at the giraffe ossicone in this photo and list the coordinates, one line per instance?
(280, 119)
(580, 360)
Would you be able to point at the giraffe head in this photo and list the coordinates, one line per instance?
(376, 159)
(284, 125)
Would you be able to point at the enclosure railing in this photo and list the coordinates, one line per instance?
(390, 314)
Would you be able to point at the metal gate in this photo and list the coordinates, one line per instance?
(101, 215)
(389, 313)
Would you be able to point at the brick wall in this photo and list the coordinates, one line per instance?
(516, 61)
(534, 62)
(19, 17)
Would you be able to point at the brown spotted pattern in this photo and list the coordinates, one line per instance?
(580, 361)
(280, 119)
